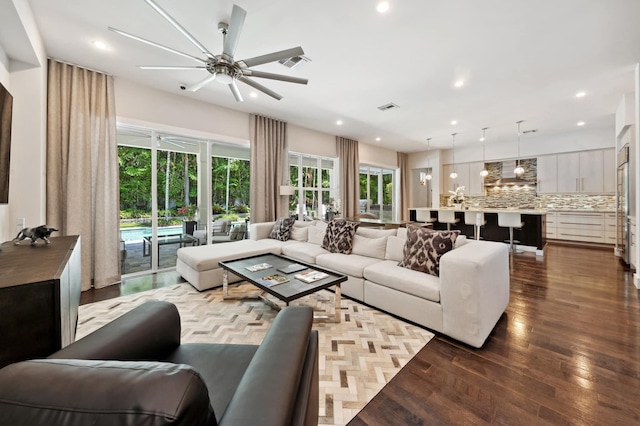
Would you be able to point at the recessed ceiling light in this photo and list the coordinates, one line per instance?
(383, 7)
(99, 45)
(580, 123)
(377, 139)
(253, 94)
(482, 139)
(339, 122)
(454, 122)
(459, 83)
(580, 94)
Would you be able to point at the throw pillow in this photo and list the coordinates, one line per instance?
(315, 235)
(282, 229)
(370, 247)
(424, 248)
(339, 236)
(299, 233)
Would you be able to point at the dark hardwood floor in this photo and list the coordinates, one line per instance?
(566, 352)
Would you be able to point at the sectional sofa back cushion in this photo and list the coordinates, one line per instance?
(281, 230)
(315, 235)
(338, 237)
(375, 233)
(395, 248)
(370, 247)
(424, 248)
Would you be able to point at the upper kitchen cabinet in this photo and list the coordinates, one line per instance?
(476, 182)
(547, 174)
(468, 176)
(610, 170)
(585, 172)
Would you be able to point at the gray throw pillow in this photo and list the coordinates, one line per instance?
(338, 237)
(281, 231)
(424, 248)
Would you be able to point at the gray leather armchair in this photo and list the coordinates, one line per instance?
(134, 370)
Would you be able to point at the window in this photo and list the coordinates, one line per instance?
(316, 183)
(230, 180)
(377, 192)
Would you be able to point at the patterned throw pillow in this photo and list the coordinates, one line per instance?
(339, 236)
(282, 229)
(425, 247)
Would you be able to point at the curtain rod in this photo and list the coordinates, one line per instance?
(80, 66)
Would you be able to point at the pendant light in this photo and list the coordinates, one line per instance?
(519, 171)
(424, 177)
(484, 171)
(453, 174)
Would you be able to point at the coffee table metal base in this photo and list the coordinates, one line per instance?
(260, 295)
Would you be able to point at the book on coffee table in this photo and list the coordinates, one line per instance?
(311, 276)
(258, 267)
(273, 279)
(294, 267)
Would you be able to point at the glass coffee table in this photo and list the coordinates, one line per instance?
(291, 289)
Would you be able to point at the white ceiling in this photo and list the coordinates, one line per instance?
(520, 59)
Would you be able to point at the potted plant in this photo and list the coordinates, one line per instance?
(188, 213)
(457, 198)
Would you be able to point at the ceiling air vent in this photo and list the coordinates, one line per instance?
(294, 61)
(388, 106)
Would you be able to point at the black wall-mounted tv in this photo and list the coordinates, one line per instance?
(6, 109)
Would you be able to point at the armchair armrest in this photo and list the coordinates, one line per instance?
(148, 332)
(280, 380)
(474, 290)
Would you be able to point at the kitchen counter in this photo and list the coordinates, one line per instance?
(532, 236)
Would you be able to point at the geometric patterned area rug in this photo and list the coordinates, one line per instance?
(357, 356)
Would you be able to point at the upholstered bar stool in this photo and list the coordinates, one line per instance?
(475, 218)
(448, 217)
(511, 220)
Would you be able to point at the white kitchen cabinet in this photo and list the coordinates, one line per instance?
(547, 174)
(476, 182)
(468, 176)
(581, 226)
(581, 172)
(610, 222)
(609, 170)
(552, 219)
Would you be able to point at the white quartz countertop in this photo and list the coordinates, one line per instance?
(487, 210)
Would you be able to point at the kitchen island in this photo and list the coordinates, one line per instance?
(532, 236)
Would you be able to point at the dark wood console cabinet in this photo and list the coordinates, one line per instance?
(39, 296)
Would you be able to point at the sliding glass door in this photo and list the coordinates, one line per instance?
(316, 183)
(377, 192)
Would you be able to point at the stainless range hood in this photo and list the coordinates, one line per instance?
(508, 176)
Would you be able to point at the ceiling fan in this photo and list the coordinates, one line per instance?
(223, 68)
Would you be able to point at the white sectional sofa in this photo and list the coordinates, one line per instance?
(464, 302)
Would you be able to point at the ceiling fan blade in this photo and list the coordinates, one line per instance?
(271, 57)
(180, 28)
(260, 87)
(159, 46)
(272, 76)
(233, 33)
(236, 92)
(162, 67)
(197, 86)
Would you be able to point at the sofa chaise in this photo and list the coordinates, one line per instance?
(464, 302)
(135, 371)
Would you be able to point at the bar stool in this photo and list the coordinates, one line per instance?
(476, 219)
(511, 220)
(448, 217)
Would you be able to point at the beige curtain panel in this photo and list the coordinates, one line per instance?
(347, 150)
(269, 168)
(403, 164)
(82, 167)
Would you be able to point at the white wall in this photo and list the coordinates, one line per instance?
(26, 81)
(312, 142)
(377, 156)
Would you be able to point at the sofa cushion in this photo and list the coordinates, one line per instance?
(402, 233)
(282, 229)
(339, 236)
(315, 235)
(419, 284)
(204, 258)
(424, 247)
(85, 392)
(321, 224)
(375, 233)
(371, 247)
(305, 252)
(395, 248)
(299, 233)
(349, 264)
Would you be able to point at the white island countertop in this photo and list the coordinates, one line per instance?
(486, 210)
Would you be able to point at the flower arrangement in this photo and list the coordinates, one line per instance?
(457, 196)
(189, 211)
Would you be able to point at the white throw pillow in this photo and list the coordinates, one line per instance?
(461, 240)
(315, 235)
(402, 233)
(395, 248)
(375, 233)
(370, 247)
(321, 225)
(299, 233)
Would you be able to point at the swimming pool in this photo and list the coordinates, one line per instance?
(136, 234)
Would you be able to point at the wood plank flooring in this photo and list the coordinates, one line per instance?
(566, 352)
